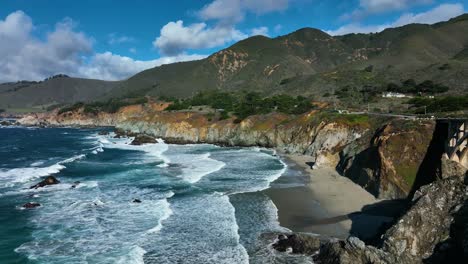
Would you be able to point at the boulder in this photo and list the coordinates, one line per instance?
(31, 205)
(354, 251)
(451, 168)
(137, 201)
(143, 139)
(6, 123)
(50, 180)
(297, 243)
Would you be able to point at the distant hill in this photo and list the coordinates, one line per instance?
(307, 62)
(58, 89)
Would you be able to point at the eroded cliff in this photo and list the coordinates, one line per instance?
(382, 156)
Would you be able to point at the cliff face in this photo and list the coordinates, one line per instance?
(433, 230)
(387, 163)
(382, 159)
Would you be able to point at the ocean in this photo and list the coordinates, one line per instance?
(199, 203)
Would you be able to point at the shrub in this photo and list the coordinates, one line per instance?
(71, 108)
(443, 104)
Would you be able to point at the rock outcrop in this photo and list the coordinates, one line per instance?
(143, 139)
(433, 230)
(387, 162)
(31, 205)
(297, 243)
(50, 180)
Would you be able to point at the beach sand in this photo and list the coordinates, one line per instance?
(323, 202)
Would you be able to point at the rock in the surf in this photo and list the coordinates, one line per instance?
(6, 123)
(50, 180)
(143, 139)
(75, 184)
(137, 201)
(31, 205)
(103, 133)
(297, 243)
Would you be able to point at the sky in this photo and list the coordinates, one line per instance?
(114, 39)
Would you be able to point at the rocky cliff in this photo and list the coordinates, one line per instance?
(388, 162)
(433, 230)
(383, 157)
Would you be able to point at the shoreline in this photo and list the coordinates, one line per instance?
(322, 202)
(316, 201)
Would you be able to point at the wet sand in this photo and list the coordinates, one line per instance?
(323, 202)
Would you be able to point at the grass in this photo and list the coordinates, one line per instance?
(408, 173)
(347, 119)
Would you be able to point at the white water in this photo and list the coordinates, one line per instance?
(186, 211)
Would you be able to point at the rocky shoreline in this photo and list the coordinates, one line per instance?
(379, 157)
(382, 156)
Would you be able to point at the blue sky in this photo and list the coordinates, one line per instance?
(113, 39)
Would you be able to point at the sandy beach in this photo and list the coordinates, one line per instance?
(326, 203)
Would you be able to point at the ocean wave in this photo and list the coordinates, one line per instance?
(165, 207)
(119, 227)
(135, 256)
(52, 188)
(23, 175)
(196, 166)
(155, 150)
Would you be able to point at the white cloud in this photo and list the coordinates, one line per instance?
(231, 11)
(368, 7)
(278, 28)
(379, 6)
(25, 57)
(109, 66)
(440, 13)
(63, 50)
(175, 38)
(263, 31)
(113, 38)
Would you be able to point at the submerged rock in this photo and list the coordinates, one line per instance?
(31, 205)
(297, 244)
(50, 180)
(103, 133)
(143, 139)
(75, 184)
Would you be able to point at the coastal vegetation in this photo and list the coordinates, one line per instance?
(437, 105)
(411, 87)
(109, 106)
(243, 104)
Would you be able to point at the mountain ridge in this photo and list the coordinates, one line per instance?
(307, 61)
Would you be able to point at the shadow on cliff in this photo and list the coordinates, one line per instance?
(430, 167)
(374, 219)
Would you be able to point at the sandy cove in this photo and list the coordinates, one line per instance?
(323, 202)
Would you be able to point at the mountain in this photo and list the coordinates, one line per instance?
(307, 62)
(310, 61)
(60, 89)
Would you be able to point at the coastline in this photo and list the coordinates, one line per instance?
(318, 201)
(322, 202)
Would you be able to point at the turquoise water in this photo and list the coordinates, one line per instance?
(200, 203)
